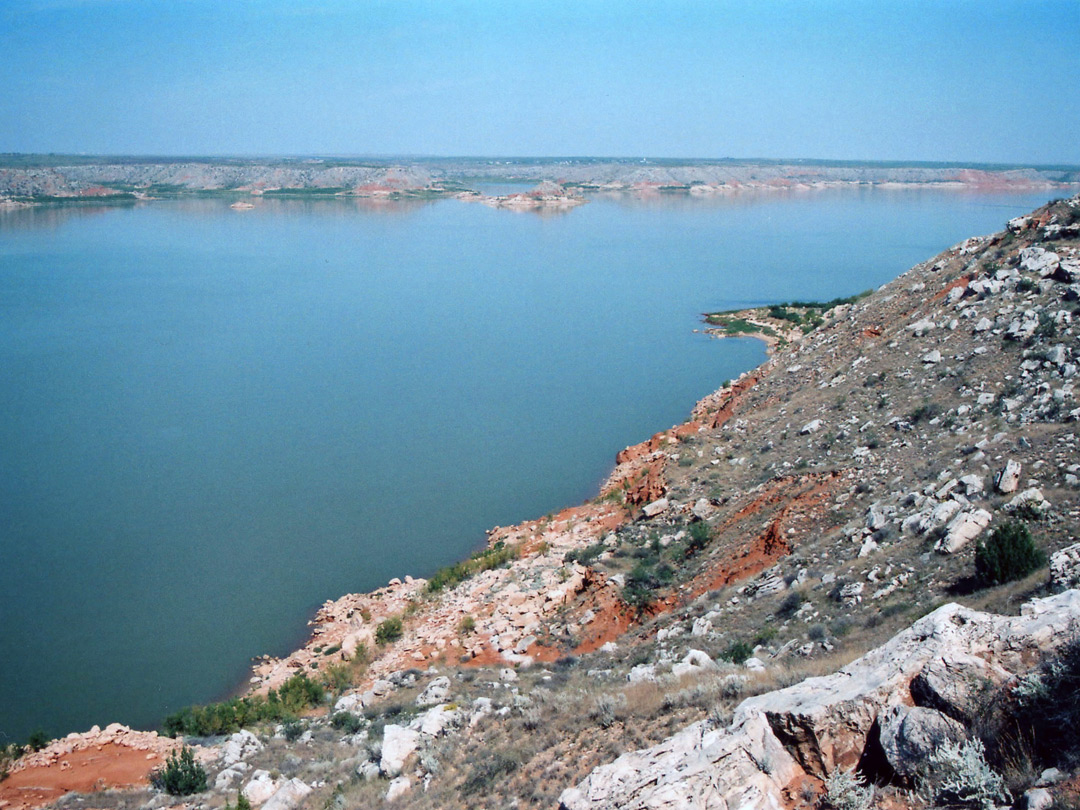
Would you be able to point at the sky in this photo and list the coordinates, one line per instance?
(921, 80)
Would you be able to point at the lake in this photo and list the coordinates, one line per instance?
(211, 420)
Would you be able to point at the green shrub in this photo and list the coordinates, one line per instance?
(181, 775)
(699, 536)
(494, 557)
(643, 581)
(292, 729)
(1008, 554)
(337, 678)
(737, 652)
(587, 555)
(295, 695)
(766, 634)
(347, 722)
(389, 630)
(8, 755)
(790, 604)
(489, 768)
(38, 740)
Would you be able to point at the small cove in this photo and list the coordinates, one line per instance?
(211, 421)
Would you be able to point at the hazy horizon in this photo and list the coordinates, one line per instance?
(912, 82)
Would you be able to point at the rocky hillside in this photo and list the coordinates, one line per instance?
(907, 460)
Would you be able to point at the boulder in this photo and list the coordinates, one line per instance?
(368, 770)
(399, 743)
(642, 673)
(239, 746)
(1037, 799)
(972, 484)
(288, 796)
(824, 723)
(348, 703)
(910, 734)
(962, 529)
(436, 692)
(693, 662)
(1065, 567)
(398, 787)
(1032, 497)
(437, 721)
(261, 787)
(812, 426)
(1039, 260)
(1008, 479)
(656, 507)
(702, 767)
(225, 778)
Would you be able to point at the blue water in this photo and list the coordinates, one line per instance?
(211, 421)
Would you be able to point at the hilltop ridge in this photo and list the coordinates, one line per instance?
(30, 179)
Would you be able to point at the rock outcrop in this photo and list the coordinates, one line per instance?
(831, 722)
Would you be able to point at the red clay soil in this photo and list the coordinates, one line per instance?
(963, 281)
(612, 617)
(650, 485)
(792, 500)
(727, 407)
(84, 771)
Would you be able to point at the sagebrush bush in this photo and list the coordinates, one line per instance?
(1010, 553)
(1049, 701)
(845, 791)
(958, 773)
(181, 775)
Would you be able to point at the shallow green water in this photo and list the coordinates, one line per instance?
(211, 421)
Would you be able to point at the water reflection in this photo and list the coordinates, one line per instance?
(54, 215)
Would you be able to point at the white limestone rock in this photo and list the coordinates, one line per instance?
(239, 746)
(656, 507)
(1065, 567)
(962, 529)
(261, 787)
(399, 743)
(1008, 479)
(437, 720)
(1031, 497)
(398, 788)
(910, 734)
(436, 692)
(288, 796)
(348, 703)
(693, 662)
(825, 722)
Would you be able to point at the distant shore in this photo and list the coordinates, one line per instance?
(560, 183)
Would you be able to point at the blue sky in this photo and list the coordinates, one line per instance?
(900, 80)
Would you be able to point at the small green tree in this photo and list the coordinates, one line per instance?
(388, 630)
(38, 740)
(181, 775)
(1009, 554)
(699, 536)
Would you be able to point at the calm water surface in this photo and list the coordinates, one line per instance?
(211, 421)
